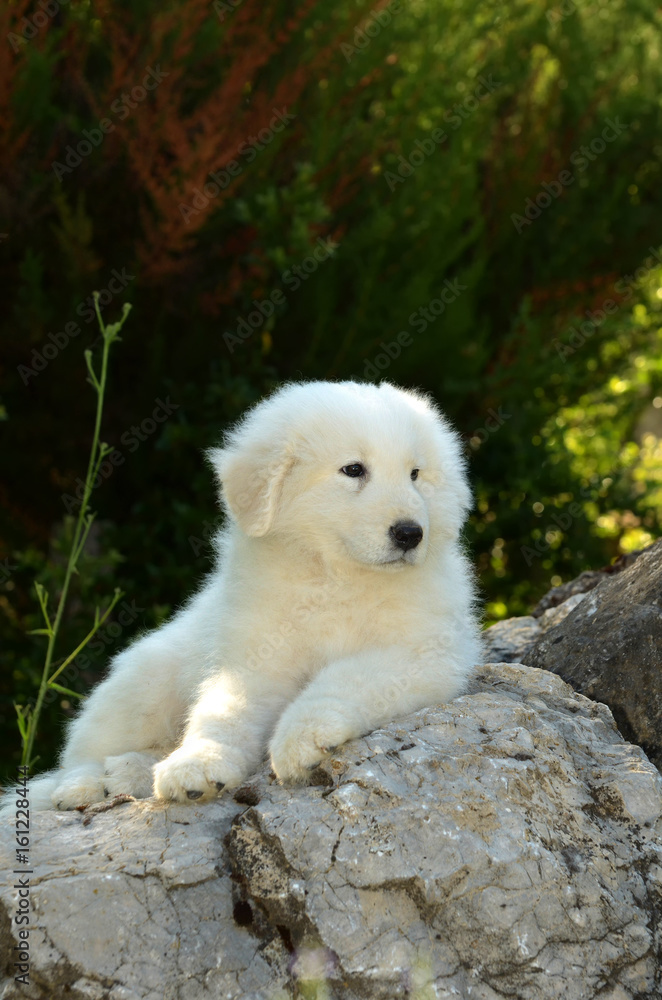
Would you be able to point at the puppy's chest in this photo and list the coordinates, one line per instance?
(341, 625)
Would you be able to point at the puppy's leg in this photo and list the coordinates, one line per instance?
(131, 773)
(83, 784)
(353, 696)
(136, 709)
(225, 739)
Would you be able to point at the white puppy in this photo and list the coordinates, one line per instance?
(341, 600)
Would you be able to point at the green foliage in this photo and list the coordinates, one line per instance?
(28, 715)
(588, 435)
(521, 215)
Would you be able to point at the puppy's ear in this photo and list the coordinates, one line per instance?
(251, 476)
(451, 484)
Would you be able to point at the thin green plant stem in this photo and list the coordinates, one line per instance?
(81, 530)
(98, 622)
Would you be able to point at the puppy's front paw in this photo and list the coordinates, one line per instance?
(198, 770)
(303, 736)
(79, 787)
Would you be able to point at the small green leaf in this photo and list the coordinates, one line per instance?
(63, 690)
(21, 716)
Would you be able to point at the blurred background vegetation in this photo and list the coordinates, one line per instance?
(535, 210)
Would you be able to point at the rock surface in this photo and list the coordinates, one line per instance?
(505, 845)
(610, 648)
(508, 641)
(583, 583)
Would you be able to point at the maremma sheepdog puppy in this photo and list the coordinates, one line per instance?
(341, 599)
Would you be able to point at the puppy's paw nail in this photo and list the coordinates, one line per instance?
(329, 749)
(312, 767)
(193, 794)
(220, 785)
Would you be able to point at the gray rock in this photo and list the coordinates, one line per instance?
(505, 845)
(610, 648)
(583, 583)
(509, 640)
(137, 904)
(506, 641)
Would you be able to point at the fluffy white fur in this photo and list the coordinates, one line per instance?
(315, 626)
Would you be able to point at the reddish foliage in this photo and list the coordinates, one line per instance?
(13, 135)
(175, 142)
(223, 78)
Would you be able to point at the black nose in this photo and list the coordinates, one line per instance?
(406, 534)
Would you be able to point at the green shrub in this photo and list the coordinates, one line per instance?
(518, 89)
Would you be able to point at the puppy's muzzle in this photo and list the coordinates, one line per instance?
(406, 535)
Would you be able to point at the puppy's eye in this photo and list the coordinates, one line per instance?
(354, 471)
(414, 474)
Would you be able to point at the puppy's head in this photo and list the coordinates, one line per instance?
(373, 474)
